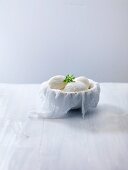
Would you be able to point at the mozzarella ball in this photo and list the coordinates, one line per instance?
(75, 87)
(57, 82)
(83, 80)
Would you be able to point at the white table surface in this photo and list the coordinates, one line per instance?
(98, 142)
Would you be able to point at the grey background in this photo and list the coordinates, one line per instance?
(42, 38)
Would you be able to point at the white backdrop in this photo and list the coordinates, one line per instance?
(41, 38)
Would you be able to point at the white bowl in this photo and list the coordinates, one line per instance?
(57, 103)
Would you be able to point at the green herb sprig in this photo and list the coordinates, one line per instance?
(69, 78)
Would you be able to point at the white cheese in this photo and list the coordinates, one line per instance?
(75, 87)
(57, 82)
(83, 80)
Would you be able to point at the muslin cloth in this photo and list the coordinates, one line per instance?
(56, 103)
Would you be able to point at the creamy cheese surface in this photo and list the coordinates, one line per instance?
(83, 80)
(57, 82)
(75, 87)
(69, 83)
